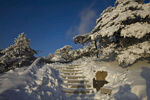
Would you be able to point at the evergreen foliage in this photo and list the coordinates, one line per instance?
(17, 55)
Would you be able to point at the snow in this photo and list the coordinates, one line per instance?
(58, 58)
(126, 83)
(43, 82)
(37, 82)
(133, 53)
(139, 30)
(108, 51)
(111, 20)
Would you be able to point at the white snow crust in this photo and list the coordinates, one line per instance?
(42, 81)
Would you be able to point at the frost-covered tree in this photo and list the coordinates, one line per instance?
(63, 54)
(17, 55)
(123, 31)
(67, 54)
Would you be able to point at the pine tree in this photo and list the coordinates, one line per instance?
(123, 32)
(17, 55)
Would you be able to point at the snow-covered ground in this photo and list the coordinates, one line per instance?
(37, 82)
(43, 82)
(131, 83)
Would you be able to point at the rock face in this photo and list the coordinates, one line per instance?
(123, 31)
(101, 75)
(17, 55)
(100, 81)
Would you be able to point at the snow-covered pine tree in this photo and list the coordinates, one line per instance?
(123, 31)
(17, 55)
(68, 54)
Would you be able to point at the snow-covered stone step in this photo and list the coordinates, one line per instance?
(75, 81)
(72, 77)
(89, 96)
(70, 73)
(72, 65)
(67, 68)
(76, 86)
(79, 72)
(77, 90)
(70, 70)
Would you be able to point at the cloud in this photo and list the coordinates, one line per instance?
(87, 21)
(86, 18)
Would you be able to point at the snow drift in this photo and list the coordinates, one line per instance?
(37, 82)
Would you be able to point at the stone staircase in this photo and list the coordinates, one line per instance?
(74, 83)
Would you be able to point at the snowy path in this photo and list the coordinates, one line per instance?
(75, 85)
(73, 81)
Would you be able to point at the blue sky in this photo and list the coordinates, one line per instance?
(50, 24)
